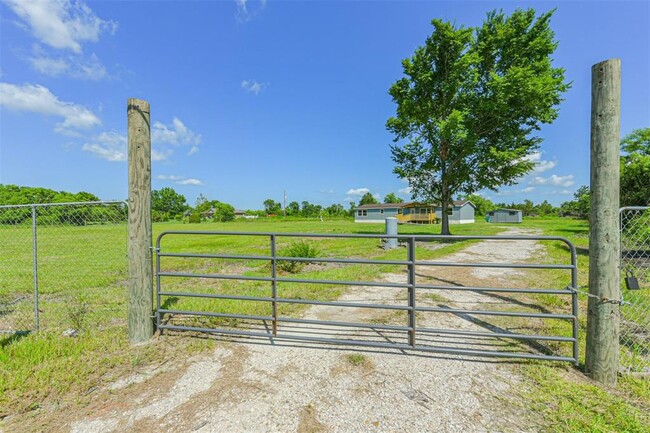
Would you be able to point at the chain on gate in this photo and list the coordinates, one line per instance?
(635, 289)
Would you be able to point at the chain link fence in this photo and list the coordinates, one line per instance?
(63, 266)
(635, 311)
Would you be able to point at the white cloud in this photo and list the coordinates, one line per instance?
(554, 179)
(175, 133)
(190, 182)
(528, 189)
(406, 190)
(49, 66)
(73, 66)
(253, 86)
(169, 177)
(357, 191)
(38, 99)
(112, 146)
(61, 24)
(245, 12)
(180, 180)
(541, 165)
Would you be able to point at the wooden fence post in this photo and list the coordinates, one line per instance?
(139, 243)
(604, 239)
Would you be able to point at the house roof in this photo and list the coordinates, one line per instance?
(382, 206)
(458, 203)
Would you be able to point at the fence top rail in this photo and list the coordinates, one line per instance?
(72, 203)
(623, 209)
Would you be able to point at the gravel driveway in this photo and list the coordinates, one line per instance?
(260, 386)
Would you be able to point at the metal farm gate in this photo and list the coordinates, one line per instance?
(635, 309)
(242, 285)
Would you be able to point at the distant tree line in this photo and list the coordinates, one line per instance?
(56, 215)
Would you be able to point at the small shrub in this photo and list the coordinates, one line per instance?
(194, 218)
(77, 311)
(301, 249)
(356, 359)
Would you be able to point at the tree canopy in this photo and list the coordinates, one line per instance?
(392, 198)
(635, 168)
(469, 103)
(14, 194)
(368, 198)
(168, 202)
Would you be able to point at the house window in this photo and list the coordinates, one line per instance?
(381, 211)
(399, 211)
(450, 211)
(513, 212)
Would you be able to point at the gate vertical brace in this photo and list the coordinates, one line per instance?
(274, 287)
(158, 318)
(35, 268)
(411, 290)
(574, 303)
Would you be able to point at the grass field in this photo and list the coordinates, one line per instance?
(83, 273)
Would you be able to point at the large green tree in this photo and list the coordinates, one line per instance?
(167, 200)
(392, 198)
(470, 102)
(635, 168)
(368, 198)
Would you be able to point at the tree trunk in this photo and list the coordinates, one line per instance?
(444, 202)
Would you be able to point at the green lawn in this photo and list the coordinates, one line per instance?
(83, 282)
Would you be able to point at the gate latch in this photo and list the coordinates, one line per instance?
(631, 282)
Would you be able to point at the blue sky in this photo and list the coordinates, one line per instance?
(252, 98)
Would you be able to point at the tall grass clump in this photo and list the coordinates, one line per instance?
(300, 249)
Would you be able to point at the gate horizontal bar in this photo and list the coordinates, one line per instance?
(286, 300)
(284, 280)
(494, 265)
(495, 313)
(400, 346)
(346, 324)
(495, 289)
(513, 335)
(210, 314)
(422, 238)
(287, 259)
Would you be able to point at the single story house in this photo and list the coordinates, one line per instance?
(242, 214)
(377, 213)
(504, 216)
(460, 212)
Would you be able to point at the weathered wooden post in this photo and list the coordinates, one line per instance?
(604, 246)
(139, 244)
